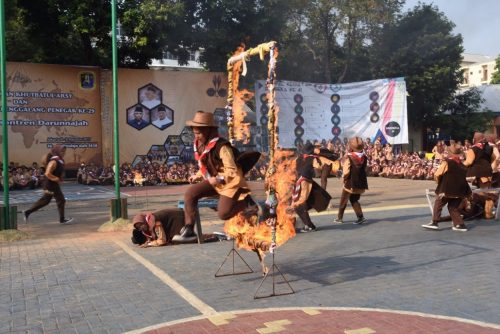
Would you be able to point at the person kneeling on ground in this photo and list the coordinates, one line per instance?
(157, 228)
(451, 190)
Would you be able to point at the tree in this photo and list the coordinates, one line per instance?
(463, 115)
(422, 48)
(495, 78)
(327, 40)
(78, 32)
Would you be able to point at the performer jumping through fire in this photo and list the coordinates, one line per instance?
(355, 181)
(221, 172)
(307, 193)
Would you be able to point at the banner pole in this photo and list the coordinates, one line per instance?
(116, 143)
(5, 138)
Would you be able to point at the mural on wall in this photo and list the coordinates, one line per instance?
(167, 100)
(49, 105)
(149, 109)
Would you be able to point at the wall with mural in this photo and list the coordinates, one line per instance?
(153, 109)
(52, 104)
(71, 105)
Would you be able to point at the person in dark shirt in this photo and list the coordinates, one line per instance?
(307, 194)
(452, 189)
(51, 188)
(355, 181)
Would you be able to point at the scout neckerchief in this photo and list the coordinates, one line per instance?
(358, 157)
(479, 145)
(297, 189)
(200, 157)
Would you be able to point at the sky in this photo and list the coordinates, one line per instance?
(476, 20)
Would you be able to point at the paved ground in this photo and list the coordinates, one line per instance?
(345, 278)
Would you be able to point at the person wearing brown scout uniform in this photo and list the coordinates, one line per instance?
(355, 181)
(157, 228)
(221, 173)
(451, 190)
(479, 159)
(307, 194)
(51, 188)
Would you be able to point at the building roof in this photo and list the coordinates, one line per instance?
(469, 58)
(491, 96)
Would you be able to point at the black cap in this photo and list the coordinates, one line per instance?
(138, 109)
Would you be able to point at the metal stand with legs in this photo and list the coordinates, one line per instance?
(232, 254)
(274, 270)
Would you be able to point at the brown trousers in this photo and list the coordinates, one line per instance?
(46, 198)
(454, 208)
(325, 171)
(226, 208)
(354, 199)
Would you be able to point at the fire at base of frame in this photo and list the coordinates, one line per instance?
(252, 233)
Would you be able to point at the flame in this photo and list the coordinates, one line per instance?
(241, 129)
(238, 98)
(248, 232)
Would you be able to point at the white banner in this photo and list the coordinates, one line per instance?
(309, 111)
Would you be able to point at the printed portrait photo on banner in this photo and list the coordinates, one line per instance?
(162, 117)
(150, 96)
(138, 117)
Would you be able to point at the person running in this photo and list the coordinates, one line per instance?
(54, 162)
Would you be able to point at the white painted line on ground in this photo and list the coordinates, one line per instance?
(194, 301)
(363, 309)
(375, 209)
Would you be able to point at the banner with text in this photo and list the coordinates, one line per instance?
(53, 104)
(309, 111)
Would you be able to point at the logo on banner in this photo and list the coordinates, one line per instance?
(392, 129)
(87, 80)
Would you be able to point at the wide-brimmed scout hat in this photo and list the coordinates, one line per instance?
(202, 119)
(455, 149)
(356, 144)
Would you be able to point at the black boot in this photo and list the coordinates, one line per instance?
(301, 211)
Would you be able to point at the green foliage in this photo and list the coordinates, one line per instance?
(78, 32)
(326, 40)
(422, 48)
(495, 78)
(463, 116)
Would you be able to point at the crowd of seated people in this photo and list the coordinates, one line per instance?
(383, 161)
(143, 173)
(23, 177)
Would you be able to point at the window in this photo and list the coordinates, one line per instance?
(485, 73)
(465, 80)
